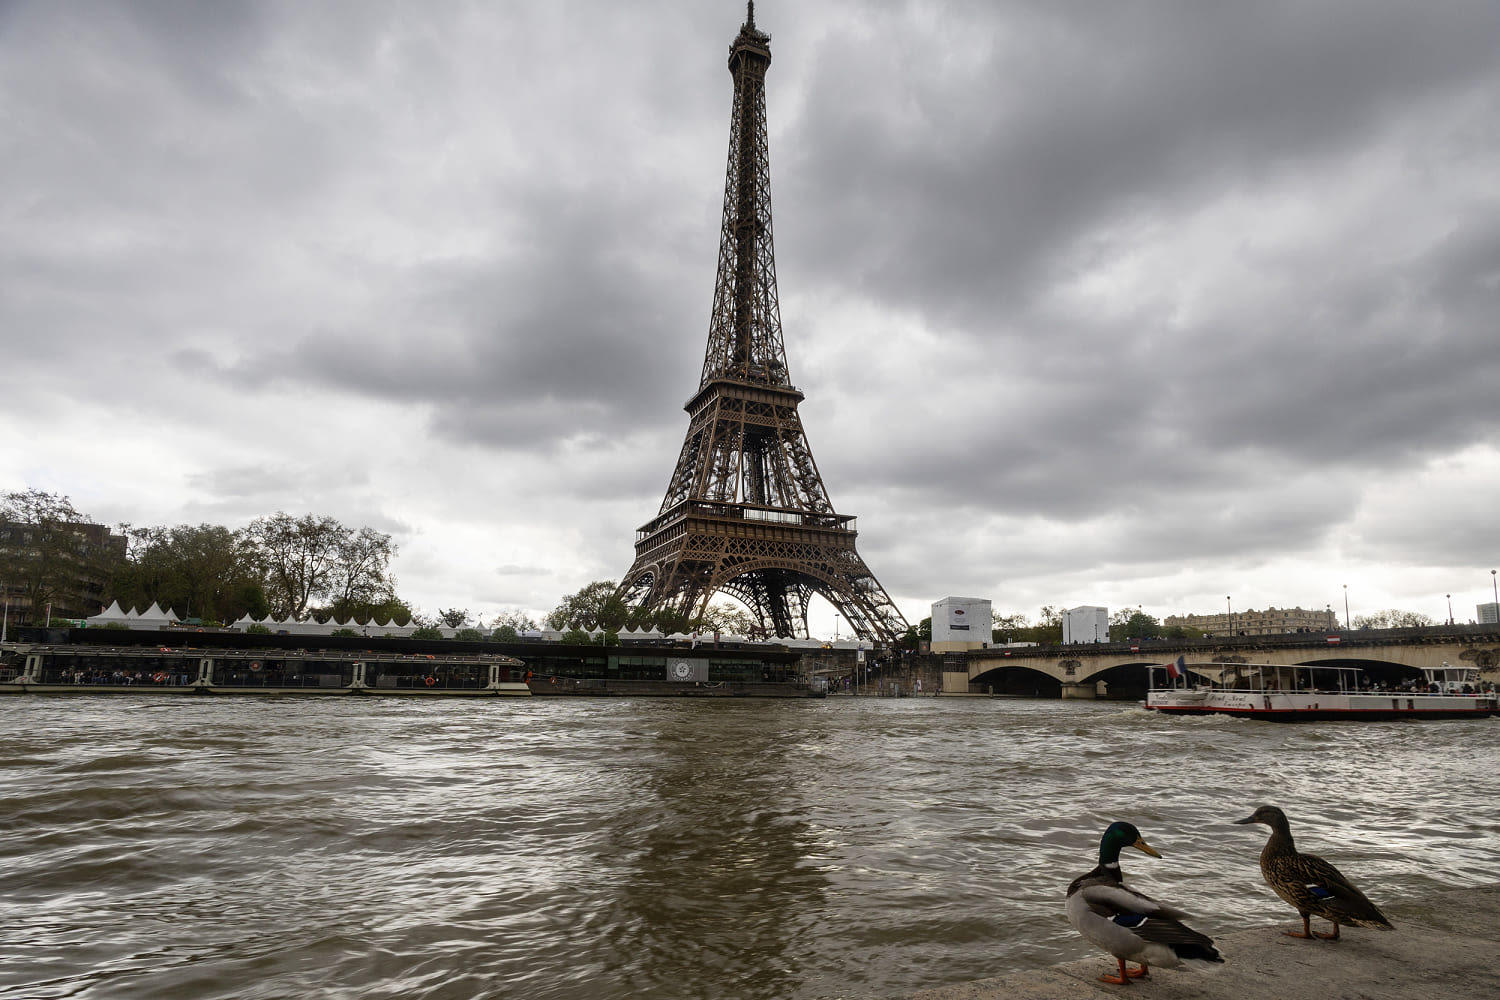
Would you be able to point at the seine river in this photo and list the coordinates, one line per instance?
(747, 850)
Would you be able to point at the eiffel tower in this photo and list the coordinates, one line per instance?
(745, 511)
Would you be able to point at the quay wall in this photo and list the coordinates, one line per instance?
(1445, 944)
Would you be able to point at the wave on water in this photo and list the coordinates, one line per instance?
(620, 848)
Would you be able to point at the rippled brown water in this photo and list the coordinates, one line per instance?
(746, 850)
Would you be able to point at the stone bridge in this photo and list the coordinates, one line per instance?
(1076, 671)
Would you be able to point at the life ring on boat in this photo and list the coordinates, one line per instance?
(255, 666)
(158, 677)
(429, 680)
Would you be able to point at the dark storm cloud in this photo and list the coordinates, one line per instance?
(1076, 292)
(567, 334)
(966, 168)
(929, 185)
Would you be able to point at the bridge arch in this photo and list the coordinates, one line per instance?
(1022, 679)
(1388, 656)
(1121, 680)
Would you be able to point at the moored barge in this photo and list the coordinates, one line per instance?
(134, 669)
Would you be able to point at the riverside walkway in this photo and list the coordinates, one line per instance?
(1446, 945)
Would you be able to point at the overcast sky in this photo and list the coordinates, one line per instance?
(1119, 303)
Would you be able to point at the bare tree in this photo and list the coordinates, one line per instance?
(730, 618)
(360, 580)
(299, 557)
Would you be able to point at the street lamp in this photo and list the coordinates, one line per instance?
(1228, 604)
(1497, 595)
(1450, 608)
(1346, 607)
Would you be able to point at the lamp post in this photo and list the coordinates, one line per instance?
(1450, 608)
(1496, 589)
(1229, 606)
(1346, 607)
(1330, 621)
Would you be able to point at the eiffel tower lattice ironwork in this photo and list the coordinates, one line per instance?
(746, 512)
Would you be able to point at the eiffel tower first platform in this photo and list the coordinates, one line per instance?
(746, 512)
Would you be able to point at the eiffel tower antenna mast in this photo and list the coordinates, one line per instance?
(746, 512)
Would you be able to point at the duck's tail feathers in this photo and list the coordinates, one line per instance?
(1199, 957)
(1380, 924)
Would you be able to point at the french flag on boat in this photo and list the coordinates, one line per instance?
(1177, 669)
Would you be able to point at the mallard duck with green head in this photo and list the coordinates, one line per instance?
(1130, 925)
(1310, 884)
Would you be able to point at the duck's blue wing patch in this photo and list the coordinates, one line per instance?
(1130, 919)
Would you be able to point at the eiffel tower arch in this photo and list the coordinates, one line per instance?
(745, 512)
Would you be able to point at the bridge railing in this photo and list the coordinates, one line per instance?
(1155, 649)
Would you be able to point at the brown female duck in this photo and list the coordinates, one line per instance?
(1310, 884)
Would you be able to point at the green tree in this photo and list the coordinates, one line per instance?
(576, 637)
(389, 610)
(469, 635)
(427, 632)
(454, 617)
(594, 606)
(1392, 618)
(204, 571)
(1005, 628)
(212, 561)
(1133, 625)
(145, 572)
(1048, 629)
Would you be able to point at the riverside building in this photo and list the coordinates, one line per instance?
(1271, 621)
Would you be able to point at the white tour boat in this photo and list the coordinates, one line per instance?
(1308, 693)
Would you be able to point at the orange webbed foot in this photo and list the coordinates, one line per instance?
(1123, 979)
